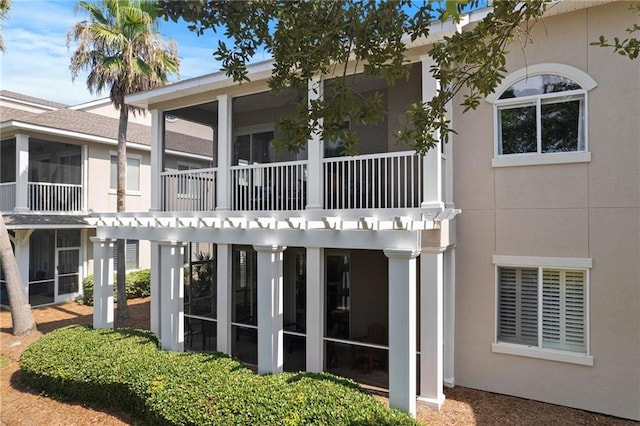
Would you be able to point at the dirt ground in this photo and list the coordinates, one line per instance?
(22, 406)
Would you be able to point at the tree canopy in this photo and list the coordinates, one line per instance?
(314, 38)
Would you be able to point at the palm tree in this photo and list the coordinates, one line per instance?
(4, 9)
(21, 315)
(120, 48)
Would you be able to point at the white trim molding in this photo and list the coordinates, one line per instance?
(575, 74)
(545, 262)
(541, 353)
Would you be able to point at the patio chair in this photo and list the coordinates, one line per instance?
(369, 358)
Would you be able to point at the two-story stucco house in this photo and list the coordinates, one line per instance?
(57, 166)
(506, 260)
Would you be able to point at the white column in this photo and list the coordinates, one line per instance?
(315, 151)
(402, 329)
(21, 242)
(172, 289)
(270, 310)
(155, 303)
(85, 178)
(225, 146)
(432, 175)
(157, 159)
(224, 292)
(22, 173)
(431, 327)
(449, 315)
(314, 312)
(102, 282)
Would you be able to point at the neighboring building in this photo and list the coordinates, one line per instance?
(57, 167)
(364, 267)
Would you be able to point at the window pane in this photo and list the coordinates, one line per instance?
(113, 182)
(563, 310)
(518, 305)
(242, 150)
(517, 130)
(133, 174)
(68, 238)
(539, 85)
(261, 149)
(561, 126)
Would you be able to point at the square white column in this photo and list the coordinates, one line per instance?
(157, 160)
(102, 282)
(224, 292)
(449, 315)
(22, 173)
(315, 153)
(225, 149)
(172, 299)
(270, 309)
(432, 165)
(431, 327)
(155, 317)
(402, 329)
(314, 318)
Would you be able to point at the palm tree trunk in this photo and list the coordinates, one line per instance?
(21, 315)
(121, 275)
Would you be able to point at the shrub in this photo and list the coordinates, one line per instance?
(124, 369)
(137, 284)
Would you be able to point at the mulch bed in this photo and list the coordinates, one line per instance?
(22, 406)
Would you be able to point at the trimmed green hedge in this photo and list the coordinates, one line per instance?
(138, 284)
(124, 369)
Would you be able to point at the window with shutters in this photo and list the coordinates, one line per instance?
(132, 259)
(542, 310)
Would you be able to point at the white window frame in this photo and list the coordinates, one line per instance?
(538, 158)
(541, 263)
(126, 184)
(128, 243)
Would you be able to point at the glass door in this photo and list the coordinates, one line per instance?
(68, 274)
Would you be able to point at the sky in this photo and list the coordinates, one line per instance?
(36, 60)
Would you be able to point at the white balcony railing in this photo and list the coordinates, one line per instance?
(273, 186)
(55, 197)
(377, 181)
(189, 190)
(7, 196)
(389, 180)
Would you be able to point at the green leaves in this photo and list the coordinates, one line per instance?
(629, 47)
(337, 39)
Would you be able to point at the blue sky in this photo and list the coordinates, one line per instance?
(36, 61)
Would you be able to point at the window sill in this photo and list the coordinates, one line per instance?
(541, 159)
(548, 354)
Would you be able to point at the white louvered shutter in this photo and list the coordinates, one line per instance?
(563, 310)
(518, 305)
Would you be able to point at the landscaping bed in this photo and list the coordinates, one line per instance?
(124, 369)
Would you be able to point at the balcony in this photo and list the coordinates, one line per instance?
(43, 197)
(376, 181)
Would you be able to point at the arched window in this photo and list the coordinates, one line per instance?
(541, 113)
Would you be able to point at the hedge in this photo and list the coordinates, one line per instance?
(138, 284)
(124, 369)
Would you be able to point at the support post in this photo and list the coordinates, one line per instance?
(431, 329)
(314, 309)
(270, 310)
(432, 165)
(402, 329)
(225, 142)
(315, 151)
(224, 292)
(449, 315)
(155, 303)
(157, 160)
(22, 174)
(102, 282)
(172, 302)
